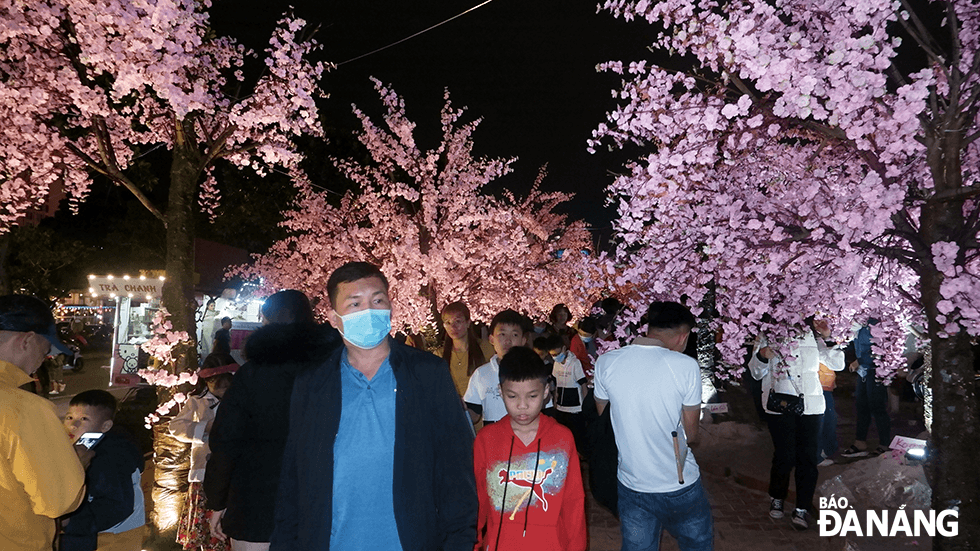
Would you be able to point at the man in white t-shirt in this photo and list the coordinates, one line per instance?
(654, 391)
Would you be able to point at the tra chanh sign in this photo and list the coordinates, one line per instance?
(140, 287)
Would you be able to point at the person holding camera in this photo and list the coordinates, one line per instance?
(792, 397)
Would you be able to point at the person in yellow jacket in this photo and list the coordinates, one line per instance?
(41, 476)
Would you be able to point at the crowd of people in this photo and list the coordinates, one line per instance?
(340, 436)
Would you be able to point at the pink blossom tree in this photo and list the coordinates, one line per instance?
(424, 217)
(86, 85)
(802, 171)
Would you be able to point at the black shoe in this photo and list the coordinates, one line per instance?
(853, 451)
(799, 519)
(776, 508)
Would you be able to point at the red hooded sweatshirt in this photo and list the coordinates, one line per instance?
(540, 487)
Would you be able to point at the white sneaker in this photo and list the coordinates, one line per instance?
(776, 508)
(826, 462)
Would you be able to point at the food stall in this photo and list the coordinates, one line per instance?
(137, 300)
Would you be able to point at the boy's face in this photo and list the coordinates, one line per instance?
(506, 336)
(558, 354)
(543, 354)
(524, 400)
(81, 419)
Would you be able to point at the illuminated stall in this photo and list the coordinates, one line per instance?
(137, 300)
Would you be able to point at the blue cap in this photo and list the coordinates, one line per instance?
(23, 313)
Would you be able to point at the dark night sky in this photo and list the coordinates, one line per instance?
(526, 67)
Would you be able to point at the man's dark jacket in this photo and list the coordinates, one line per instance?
(109, 488)
(249, 432)
(434, 490)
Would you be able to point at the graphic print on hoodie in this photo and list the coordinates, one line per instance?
(532, 494)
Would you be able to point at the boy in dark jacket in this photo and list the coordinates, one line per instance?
(527, 470)
(112, 515)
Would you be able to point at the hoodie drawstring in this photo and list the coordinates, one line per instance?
(534, 480)
(503, 502)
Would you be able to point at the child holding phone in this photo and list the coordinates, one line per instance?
(112, 515)
(193, 425)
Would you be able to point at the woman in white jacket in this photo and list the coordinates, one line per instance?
(794, 437)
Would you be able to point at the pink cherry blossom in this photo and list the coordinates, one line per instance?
(425, 218)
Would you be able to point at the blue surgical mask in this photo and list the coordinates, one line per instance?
(539, 329)
(561, 357)
(366, 328)
(586, 340)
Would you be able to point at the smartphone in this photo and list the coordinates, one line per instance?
(90, 439)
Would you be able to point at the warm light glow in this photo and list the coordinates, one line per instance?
(142, 278)
(162, 278)
(94, 295)
(130, 295)
(110, 276)
(90, 276)
(112, 295)
(126, 277)
(148, 297)
(91, 289)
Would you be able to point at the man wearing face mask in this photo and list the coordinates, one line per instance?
(379, 454)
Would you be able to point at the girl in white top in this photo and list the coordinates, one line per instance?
(193, 425)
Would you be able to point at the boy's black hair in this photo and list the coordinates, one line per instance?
(508, 317)
(587, 325)
(541, 343)
(225, 320)
(669, 315)
(98, 399)
(352, 271)
(551, 342)
(523, 364)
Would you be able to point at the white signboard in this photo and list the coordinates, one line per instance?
(717, 408)
(133, 287)
(904, 443)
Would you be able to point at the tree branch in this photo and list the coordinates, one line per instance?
(109, 169)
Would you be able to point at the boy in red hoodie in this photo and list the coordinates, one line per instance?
(527, 470)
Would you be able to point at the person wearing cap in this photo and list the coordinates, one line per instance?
(193, 426)
(41, 476)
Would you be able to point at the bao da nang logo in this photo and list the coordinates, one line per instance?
(838, 519)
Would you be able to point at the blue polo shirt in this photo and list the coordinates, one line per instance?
(364, 456)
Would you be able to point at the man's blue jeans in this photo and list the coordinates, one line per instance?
(685, 514)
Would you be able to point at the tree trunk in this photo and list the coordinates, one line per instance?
(170, 457)
(5, 287)
(955, 443)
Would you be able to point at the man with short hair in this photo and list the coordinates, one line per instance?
(222, 338)
(380, 452)
(654, 391)
(41, 477)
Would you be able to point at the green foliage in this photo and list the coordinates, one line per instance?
(41, 263)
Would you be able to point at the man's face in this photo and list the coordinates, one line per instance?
(354, 296)
(506, 336)
(26, 350)
(81, 419)
(226, 325)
